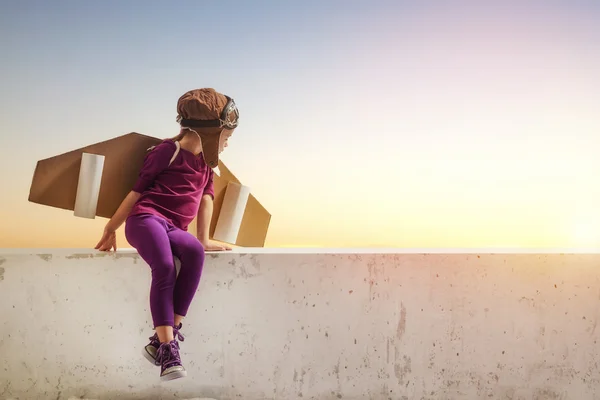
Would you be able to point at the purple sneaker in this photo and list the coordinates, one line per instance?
(170, 361)
(151, 349)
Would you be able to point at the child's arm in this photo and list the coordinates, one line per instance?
(155, 162)
(205, 212)
(123, 211)
(204, 217)
(109, 237)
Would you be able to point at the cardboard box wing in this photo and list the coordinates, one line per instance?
(55, 180)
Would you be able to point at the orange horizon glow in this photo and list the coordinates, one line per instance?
(396, 125)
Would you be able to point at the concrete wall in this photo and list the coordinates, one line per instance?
(310, 326)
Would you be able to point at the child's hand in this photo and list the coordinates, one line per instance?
(215, 246)
(108, 241)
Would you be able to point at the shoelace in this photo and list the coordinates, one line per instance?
(168, 355)
(154, 340)
(178, 335)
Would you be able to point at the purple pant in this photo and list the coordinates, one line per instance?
(157, 241)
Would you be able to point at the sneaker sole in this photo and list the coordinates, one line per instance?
(173, 375)
(149, 357)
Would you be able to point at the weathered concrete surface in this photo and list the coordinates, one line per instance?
(310, 326)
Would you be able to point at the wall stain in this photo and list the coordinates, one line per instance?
(299, 381)
(336, 371)
(355, 257)
(540, 340)
(1, 274)
(528, 300)
(302, 374)
(79, 256)
(547, 394)
(243, 272)
(402, 322)
(255, 262)
(402, 367)
(118, 256)
(45, 257)
(276, 378)
(388, 351)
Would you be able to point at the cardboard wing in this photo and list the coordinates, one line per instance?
(55, 182)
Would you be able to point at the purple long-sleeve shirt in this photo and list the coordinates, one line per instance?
(172, 192)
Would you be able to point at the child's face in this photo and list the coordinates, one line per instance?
(225, 135)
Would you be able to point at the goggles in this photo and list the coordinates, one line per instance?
(229, 118)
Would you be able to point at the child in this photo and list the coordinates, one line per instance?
(174, 186)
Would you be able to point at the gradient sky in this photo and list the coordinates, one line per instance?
(371, 123)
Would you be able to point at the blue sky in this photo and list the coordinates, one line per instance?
(363, 123)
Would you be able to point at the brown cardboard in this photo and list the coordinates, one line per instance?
(55, 179)
(256, 220)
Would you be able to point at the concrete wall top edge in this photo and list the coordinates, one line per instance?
(315, 250)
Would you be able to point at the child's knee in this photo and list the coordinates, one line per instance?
(197, 252)
(193, 257)
(164, 269)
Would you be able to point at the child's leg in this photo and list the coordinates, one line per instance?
(178, 319)
(191, 254)
(148, 234)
